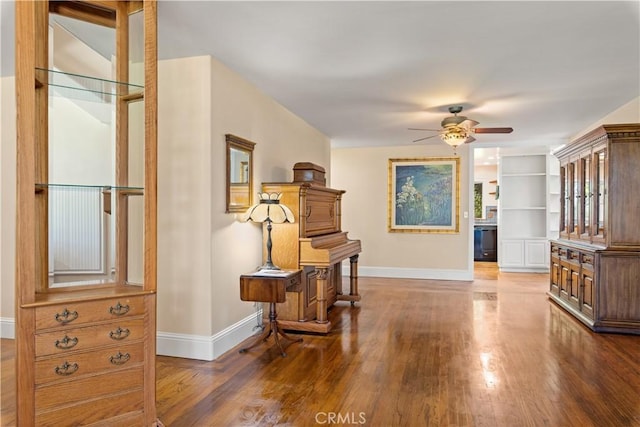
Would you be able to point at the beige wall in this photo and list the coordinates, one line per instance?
(363, 173)
(202, 250)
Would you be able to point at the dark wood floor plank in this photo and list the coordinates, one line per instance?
(492, 352)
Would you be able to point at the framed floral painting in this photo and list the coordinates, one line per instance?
(424, 195)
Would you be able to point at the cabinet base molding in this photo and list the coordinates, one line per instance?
(604, 326)
(566, 306)
(310, 326)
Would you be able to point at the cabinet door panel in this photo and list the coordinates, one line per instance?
(565, 279)
(588, 293)
(554, 274)
(574, 285)
(536, 253)
(512, 254)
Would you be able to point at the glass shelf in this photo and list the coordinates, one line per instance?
(122, 189)
(70, 85)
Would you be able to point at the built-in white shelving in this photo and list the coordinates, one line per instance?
(553, 197)
(526, 214)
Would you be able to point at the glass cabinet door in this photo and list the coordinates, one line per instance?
(585, 200)
(599, 196)
(574, 200)
(564, 202)
(96, 166)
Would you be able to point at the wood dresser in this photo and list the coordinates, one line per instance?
(595, 264)
(86, 215)
(316, 244)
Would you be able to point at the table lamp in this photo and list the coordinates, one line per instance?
(269, 210)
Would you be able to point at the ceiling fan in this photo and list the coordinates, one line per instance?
(457, 130)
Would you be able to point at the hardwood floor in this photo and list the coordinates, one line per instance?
(492, 352)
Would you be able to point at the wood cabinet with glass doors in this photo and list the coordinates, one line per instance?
(86, 212)
(595, 263)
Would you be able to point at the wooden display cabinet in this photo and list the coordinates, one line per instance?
(596, 261)
(86, 213)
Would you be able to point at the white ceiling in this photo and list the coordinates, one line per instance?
(363, 72)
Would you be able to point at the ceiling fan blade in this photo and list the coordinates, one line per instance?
(492, 130)
(430, 130)
(468, 123)
(469, 140)
(422, 139)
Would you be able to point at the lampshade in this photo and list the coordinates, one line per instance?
(268, 208)
(455, 137)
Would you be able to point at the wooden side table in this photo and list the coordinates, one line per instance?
(269, 286)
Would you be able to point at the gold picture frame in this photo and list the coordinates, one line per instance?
(424, 195)
(239, 187)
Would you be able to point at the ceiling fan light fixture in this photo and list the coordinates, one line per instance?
(457, 130)
(455, 137)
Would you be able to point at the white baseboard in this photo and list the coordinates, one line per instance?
(206, 347)
(524, 269)
(411, 273)
(8, 328)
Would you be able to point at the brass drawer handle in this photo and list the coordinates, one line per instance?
(119, 309)
(587, 259)
(119, 334)
(119, 359)
(66, 343)
(66, 316)
(66, 368)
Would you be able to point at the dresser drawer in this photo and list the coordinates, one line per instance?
(73, 365)
(79, 339)
(90, 412)
(74, 313)
(66, 393)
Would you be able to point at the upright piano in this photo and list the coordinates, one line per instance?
(316, 244)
